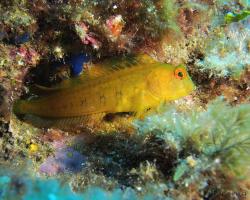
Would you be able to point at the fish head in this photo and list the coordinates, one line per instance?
(181, 83)
(171, 82)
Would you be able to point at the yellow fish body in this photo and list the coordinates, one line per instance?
(144, 85)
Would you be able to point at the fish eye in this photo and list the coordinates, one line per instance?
(180, 73)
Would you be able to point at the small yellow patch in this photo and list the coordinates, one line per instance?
(191, 161)
(33, 148)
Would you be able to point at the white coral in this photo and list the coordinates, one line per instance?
(229, 55)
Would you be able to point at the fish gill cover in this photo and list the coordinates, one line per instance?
(192, 147)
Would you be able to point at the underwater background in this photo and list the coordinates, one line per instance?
(193, 146)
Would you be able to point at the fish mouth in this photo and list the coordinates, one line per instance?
(190, 90)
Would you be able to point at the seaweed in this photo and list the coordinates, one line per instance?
(180, 153)
(227, 53)
(235, 17)
(214, 141)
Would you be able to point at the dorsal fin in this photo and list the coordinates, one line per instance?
(92, 71)
(127, 61)
(42, 90)
(108, 66)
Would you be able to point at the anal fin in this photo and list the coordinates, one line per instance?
(66, 124)
(61, 123)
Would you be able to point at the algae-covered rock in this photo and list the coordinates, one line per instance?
(196, 147)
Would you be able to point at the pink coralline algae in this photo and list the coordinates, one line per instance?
(86, 36)
(114, 26)
(24, 56)
(64, 160)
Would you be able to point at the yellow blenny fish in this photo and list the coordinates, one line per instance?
(111, 87)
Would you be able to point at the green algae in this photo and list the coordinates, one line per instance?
(175, 155)
(15, 17)
(217, 139)
(235, 17)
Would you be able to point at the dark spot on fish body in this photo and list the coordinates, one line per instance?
(118, 94)
(83, 101)
(102, 99)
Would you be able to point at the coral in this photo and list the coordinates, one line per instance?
(27, 188)
(129, 154)
(15, 17)
(19, 142)
(63, 160)
(227, 53)
(233, 4)
(88, 177)
(24, 188)
(86, 38)
(114, 26)
(4, 110)
(194, 150)
(207, 142)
